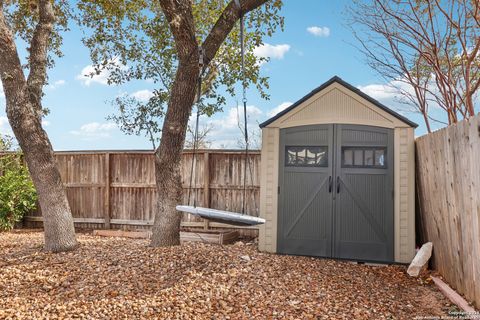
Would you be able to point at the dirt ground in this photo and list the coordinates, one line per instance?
(117, 278)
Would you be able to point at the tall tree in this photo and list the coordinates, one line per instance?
(166, 41)
(35, 23)
(428, 50)
(132, 40)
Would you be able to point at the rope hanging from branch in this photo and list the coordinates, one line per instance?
(212, 214)
(244, 100)
(195, 134)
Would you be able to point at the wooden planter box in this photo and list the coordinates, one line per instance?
(209, 236)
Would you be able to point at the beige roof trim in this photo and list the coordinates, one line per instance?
(337, 104)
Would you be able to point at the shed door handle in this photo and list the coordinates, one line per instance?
(338, 184)
(330, 182)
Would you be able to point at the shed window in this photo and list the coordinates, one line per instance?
(364, 157)
(306, 156)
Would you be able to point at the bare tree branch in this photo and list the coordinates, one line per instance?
(431, 45)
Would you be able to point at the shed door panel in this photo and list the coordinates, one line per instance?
(363, 213)
(341, 207)
(305, 217)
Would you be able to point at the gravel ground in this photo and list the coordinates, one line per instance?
(116, 278)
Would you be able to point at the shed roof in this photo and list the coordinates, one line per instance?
(349, 87)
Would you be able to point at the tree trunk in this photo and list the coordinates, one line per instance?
(23, 106)
(168, 155)
(58, 225)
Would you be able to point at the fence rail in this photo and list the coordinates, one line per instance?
(116, 189)
(448, 178)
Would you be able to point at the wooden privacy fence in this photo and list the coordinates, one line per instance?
(448, 178)
(116, 189)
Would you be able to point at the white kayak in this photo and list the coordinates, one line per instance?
(222, 216)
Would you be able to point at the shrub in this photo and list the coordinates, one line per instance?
(17, 193)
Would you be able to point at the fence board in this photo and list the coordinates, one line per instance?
(448, 173)
(119, 186)
(107, 210)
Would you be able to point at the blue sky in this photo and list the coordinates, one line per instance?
(316, 45)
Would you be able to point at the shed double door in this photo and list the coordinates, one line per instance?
(336, 192)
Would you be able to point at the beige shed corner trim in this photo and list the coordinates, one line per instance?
(268, 193)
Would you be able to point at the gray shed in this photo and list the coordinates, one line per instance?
(337, 178)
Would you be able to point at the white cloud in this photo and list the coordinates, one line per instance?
(319, 31)
(101, 77)
(267, 50)
(142, 95)
(86, 78)
(56, 84)
(388, 92)
(5, 128)
(2, 94)
(95, 130)
(226, 130)
(282, 106)
(45, 123)
(380, 91)
(299, 53)
(394, 94)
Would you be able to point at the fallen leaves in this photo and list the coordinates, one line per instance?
(117, 278)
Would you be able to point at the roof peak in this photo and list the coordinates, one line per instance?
(351, 88)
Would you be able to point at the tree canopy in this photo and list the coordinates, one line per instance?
(22, 16)
(132, 41)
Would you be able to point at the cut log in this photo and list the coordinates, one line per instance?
(420, 260)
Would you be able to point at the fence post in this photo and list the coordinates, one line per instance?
(206, 184)
(107, 191)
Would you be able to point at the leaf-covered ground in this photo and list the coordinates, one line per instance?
(116, 278)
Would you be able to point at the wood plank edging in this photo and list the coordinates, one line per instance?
(453, 296)
(147, 223)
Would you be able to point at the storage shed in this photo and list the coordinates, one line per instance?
(337, 178)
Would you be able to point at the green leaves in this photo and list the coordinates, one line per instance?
(22, 16)
(133, 41)
(17, 193)
(137, 117)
